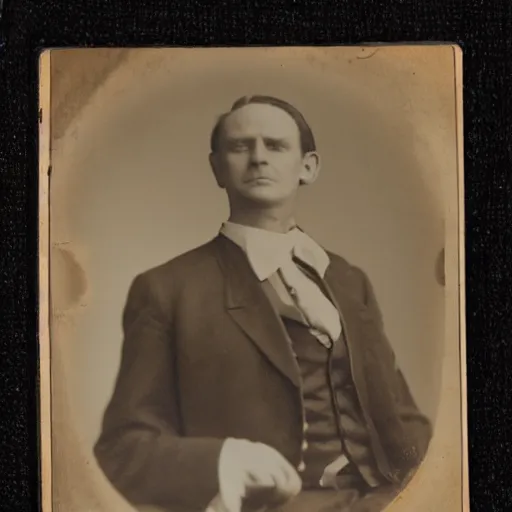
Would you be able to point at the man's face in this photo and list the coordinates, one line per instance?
(260, 157)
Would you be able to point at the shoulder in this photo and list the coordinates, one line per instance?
(356, 283)
(348, 269)
(355, 279)
(163, 279)
(339, 266)
(193, 260)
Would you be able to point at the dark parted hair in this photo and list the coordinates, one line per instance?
(307, 140)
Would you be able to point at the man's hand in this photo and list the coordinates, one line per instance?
(255, 474)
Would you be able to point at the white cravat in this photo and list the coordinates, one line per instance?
(270, 253)
(319, 312)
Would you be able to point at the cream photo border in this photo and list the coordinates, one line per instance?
(436, 481)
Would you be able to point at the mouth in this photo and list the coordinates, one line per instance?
(259, 179)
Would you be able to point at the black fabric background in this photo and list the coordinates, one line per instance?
(484, 30)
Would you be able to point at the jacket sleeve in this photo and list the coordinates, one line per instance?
(141, 449)
(417, 425)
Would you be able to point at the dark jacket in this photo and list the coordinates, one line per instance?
(205, 357)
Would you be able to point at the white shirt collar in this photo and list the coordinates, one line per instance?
(267, 250)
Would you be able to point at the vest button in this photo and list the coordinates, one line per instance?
(301, 467)
(305, 427)
(305, 445)
(293, 292)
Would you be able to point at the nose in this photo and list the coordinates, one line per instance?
(258, 152)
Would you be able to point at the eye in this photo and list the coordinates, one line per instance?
(275, 145)
(238, 146)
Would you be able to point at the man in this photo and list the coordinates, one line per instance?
(255, 371)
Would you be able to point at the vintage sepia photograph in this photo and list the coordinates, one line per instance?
(251, 279)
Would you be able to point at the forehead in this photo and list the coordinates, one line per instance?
(260, 119)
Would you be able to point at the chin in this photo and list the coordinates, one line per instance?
(265, 199)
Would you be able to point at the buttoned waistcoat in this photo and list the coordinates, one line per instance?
(205, 356)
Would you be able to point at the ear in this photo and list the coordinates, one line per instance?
(216, 166)
(310, 168)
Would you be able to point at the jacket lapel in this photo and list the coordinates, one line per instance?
(369, 359)
(337, 284)
(249, 306)
(367, 365)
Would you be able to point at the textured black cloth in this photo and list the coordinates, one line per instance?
(484, 29)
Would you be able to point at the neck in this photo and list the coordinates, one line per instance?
(277, 219)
